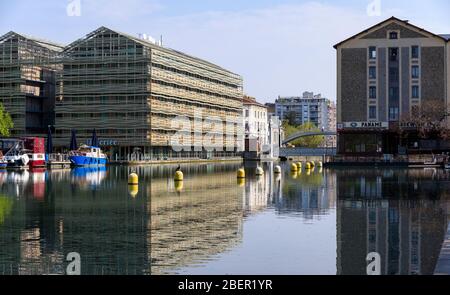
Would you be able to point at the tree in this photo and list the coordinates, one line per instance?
(308, 142)
(6, 123)
(429, 119)
(291, 118)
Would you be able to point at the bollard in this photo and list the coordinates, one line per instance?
(241, 173)
(277, 169)
(179, 176)
(133, 179)
(259, 171)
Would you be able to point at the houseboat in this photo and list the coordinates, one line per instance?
(22, 152)
(88, 156)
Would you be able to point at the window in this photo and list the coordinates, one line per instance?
(393, 54)
(415, 72)
(372, 92)
(372, 72)
(372, 52)
(393, 35)
(415, 52)
(393, 93)
(415, 91)
(393, 114)
(372, 112)
(393, 74)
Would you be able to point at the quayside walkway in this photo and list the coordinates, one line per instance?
(443, 265)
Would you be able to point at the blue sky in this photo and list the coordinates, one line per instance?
(281, 47)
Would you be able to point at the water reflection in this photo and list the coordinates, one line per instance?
(402, 215)
(312, 222)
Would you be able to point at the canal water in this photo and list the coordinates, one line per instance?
(324, 221)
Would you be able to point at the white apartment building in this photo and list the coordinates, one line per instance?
(308, 108)
(256, 127)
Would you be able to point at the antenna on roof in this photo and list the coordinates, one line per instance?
(161, 41)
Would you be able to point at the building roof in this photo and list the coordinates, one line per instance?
(445, 36)
(40, 42)
(247, 100)
(145, 43)
(393, 18)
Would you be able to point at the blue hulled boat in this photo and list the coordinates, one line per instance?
(88, 156)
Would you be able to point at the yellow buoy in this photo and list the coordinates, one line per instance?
(241, 182)
(294, 167)
(241, 173)
(299, 165)
(179, 176)
(133, 190)
(313, 164)
(308, 166)
(259, 171)
(277, 169)
(178, 185)
(133, 179)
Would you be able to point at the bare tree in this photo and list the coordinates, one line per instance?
(429, 119)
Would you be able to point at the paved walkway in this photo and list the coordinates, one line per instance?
(443, 265)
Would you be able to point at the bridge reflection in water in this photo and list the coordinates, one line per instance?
(321, 222)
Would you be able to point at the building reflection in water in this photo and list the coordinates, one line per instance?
(400, 214)
(56, 212)
(193, 224)
(168, 227)
(309, 194)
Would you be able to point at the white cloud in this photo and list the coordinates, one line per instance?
(119, 9)
(283, 50)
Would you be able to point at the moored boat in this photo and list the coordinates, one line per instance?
(3, 162)
(88, 156)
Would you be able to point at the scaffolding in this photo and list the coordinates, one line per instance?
(128, 89)
(28, 69)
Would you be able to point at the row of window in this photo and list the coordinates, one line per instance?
(394, 92)
(393, 113)
(189, 74)
(393, 72)
(415, 51)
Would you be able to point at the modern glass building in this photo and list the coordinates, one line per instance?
(131, 90)
(28, 69)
